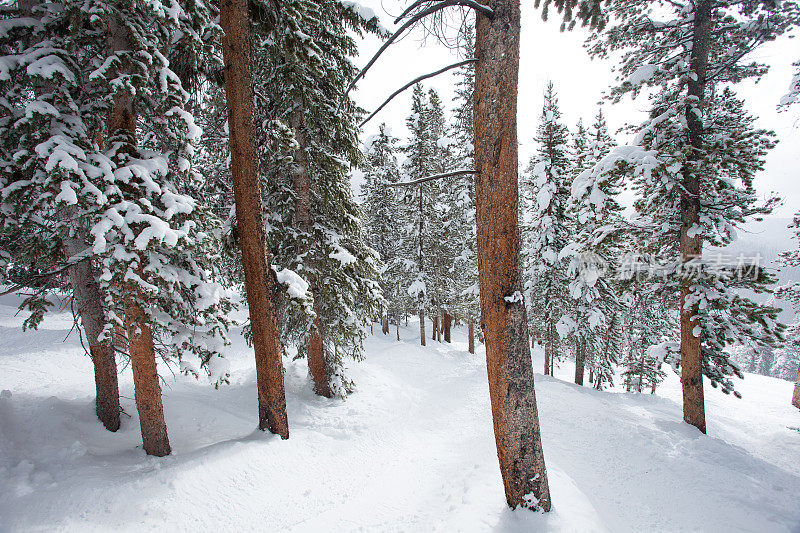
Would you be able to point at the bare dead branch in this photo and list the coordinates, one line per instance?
(453, 174)
(480, 8)
(413, 20)
(414, 81)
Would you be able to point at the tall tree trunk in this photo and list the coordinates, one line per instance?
(435, 327)
(690, 243)
(397, 327)
(448, 319)
(471, 335)
(580, 359)
(508, 356)
(260, 282)
(591, 377)
(318, 364)
(145, 377)
(89, 300)
(385, 325)
(796, 395)
(147, 390)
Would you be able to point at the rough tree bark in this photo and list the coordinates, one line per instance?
(318, 364)
(89, 301)
(691, 246)
(508, 357)
(147, 390)
(796, 395)
(259, 280)
(385, 323)
(435, 327)
(580, 360)
(447, 322)
(145, 377)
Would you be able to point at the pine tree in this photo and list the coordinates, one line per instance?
(127, 202)
(461, 198)
(314, 223)
(418, 203)
(592, 253)
(383, 229)
(546, 230)
(699, 184)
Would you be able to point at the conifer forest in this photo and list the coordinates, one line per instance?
(400, 265)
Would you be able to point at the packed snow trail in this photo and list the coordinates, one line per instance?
(411, 450)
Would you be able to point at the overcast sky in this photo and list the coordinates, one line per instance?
(547, 54)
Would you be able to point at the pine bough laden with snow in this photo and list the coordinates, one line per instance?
(132, 199)
(657, 53)
(302, 68)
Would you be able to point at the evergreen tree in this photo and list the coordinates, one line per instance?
(127, 202)
(461, 198)
(546, 230)
(314, 228)
(592, 254)
(382, 216)
(696, 159)
(418, 203)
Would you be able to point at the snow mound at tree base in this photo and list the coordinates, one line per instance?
(411, 450)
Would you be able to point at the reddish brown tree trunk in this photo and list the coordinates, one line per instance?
(448, 319)
(259, 280)
(508, 357)
(580, 360)
(435, 327)
(317, 363)
(691, 246)
(796, 395)
(471, 335)
(386, 323)
(145, 377)
(147, 390)
(89, 301)
(397, 327)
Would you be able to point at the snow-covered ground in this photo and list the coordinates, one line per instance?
(412, 450)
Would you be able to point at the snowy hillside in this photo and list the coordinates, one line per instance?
(412, 450)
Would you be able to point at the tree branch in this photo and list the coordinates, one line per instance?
(477, 7)
(434, 177)
(412, 82)
(422, 14)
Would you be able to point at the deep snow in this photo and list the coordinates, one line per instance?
(412, 450)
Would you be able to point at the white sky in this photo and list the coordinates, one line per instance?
(547, 54)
